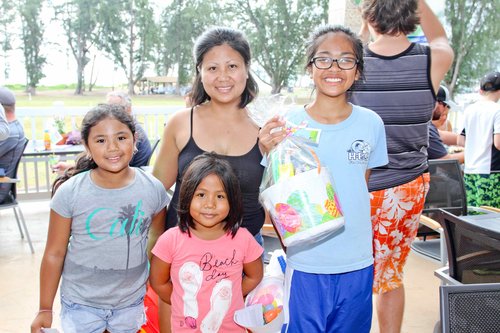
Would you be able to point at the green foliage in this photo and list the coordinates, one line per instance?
(60, 124)
(127, 33)
(182, 22)
(6, 33)
(32, 38)
(474, 39)
(79, 20)
(277, 31)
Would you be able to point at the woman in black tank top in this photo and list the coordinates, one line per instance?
(249, 171)
(218, 122)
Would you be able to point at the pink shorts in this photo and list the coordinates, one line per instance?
(395, 214)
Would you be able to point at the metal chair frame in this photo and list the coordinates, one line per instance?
(14, 204)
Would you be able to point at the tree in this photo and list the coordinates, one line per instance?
(277, 31)
(32, 38)
(182, 23)
(6, 34)
(79, 20)
(127, 34)
(474, 39)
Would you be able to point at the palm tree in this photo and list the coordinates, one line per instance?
(127, 220)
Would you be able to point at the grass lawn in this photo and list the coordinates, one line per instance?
(66, 97)
(47, 97)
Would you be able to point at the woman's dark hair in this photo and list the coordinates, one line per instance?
(318, 35)
(216, 37)
(91, 118)
(391, 17)
(201, 167)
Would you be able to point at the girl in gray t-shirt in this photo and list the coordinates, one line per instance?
(100, 217)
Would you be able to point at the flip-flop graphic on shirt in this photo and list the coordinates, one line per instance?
(190, 277)
(220, 301)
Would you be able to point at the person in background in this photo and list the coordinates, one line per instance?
(218, 122)
(440, 117)
(101, 214)
(400, 84)
(11, 146)
(4, 124)
(481, 137)
(207, 264)
(143, 151)
(437, 149)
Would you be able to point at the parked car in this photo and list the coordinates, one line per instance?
(162, 90)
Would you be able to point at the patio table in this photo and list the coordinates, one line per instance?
(9, 180)
(37, 149)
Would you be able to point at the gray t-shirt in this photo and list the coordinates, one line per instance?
(106, 265)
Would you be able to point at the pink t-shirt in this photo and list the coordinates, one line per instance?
(206, 275)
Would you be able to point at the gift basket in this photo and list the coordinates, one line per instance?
(297, 191)
(263, 312)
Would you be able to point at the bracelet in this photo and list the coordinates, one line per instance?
(44, 310)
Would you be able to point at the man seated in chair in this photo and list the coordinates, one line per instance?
(437, 148)
(9, 148)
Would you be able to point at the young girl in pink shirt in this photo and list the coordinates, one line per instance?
(206, 265)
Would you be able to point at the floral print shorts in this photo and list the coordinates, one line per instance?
(395, 214)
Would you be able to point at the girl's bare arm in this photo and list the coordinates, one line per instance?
(254, 271)
(159, 278)
(51, 268)
(157, 228)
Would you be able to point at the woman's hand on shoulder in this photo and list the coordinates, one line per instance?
(271, 134)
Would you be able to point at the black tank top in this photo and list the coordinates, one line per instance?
(249, 172)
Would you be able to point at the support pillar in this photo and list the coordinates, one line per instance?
(346, 13)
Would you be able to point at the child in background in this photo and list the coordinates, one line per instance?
(334, 276)
(206, 265)
(97, 240)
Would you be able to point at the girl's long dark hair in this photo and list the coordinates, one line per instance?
(94, 116)
(201, 167)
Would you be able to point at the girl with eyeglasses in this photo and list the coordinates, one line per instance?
(334, 276)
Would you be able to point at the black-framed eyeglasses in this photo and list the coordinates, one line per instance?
(344, 63)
